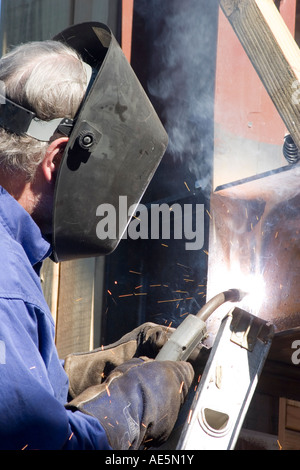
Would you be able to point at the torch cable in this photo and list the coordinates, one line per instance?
(231, 295)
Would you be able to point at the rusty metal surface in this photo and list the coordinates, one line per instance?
(255, 245)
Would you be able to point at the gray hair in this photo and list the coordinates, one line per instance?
(47, 78)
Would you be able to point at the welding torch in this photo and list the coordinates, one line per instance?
(192, 330)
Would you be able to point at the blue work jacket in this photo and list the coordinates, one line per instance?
(33, 383)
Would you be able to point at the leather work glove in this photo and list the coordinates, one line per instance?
(139, 402)
(91, 368)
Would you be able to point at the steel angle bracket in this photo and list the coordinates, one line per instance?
(228, 383)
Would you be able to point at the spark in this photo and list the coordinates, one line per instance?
(148, 440)
(23, 448)
(190, 416)
(206, 252)
(163, 244)
(109, 292)
(276, 234)
(134, 272)
(208, 214)
(78, 300)
(183, 314)
(107, 390)
(157, 314)
(126, 295)
(171, 300)
(187, 186)
(72, 434)
(181, 387)
(163, 417)
(179, 264)
(279, 445)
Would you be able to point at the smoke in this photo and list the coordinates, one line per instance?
(181, 79)
(257, 242)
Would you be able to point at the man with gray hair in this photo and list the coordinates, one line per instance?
(111, 399)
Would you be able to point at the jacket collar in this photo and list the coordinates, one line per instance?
(20, 225)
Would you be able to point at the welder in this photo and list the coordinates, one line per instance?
(51, 142)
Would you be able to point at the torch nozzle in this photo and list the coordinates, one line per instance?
(231, 295)
(234, 295)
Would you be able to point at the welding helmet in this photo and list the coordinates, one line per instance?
(114, 148)
(116, 142)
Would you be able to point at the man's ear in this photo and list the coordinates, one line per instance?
(53, 157)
